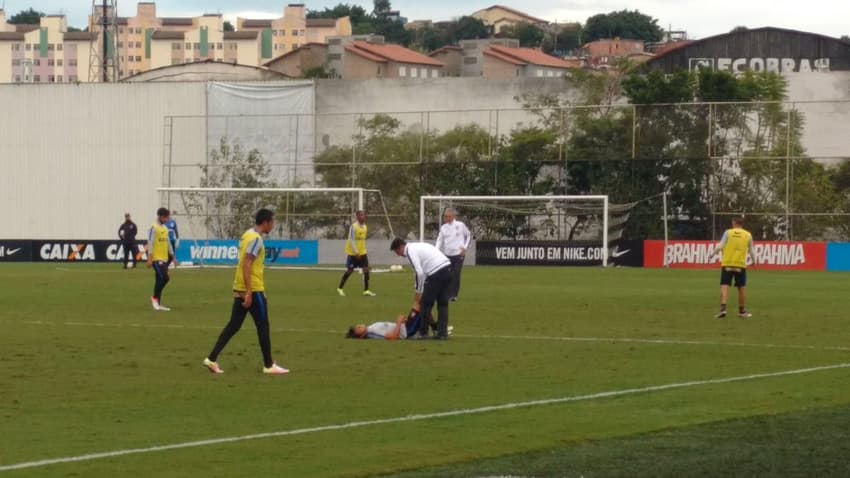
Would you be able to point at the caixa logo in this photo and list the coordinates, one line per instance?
(67, 252)
(115, 252)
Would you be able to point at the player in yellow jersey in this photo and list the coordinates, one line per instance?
(160, 255)
(249, 296)
(355, 251)
(734, 246)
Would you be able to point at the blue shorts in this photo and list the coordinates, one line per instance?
(728, 275)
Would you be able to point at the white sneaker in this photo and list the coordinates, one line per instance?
(154, 303)
(451, 329)
(275, 369)
(163, 308)
(340, 292)
(212, 366)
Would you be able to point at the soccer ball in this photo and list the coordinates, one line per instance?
(396, 268)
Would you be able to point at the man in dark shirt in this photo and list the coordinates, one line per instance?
(127, 234)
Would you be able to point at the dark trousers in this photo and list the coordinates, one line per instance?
(437, 289)
(260, 313)
(162, 278)
(129, 253)
(457, 265)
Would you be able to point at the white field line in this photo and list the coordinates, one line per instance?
(627, 340)
(415, 418)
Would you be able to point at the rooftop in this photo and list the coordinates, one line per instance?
(390, 52)
(515, 12)
(525, 56)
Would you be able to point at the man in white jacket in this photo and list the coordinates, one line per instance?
(453, 241)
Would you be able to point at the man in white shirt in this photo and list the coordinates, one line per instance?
(380, 330)
(434, 277)
(453, 241)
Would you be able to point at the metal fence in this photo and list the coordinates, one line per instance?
(781, 164)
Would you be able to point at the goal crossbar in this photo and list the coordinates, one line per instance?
(604, 199)
(359, 191)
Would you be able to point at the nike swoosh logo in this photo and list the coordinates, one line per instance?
(11, 252)
(615, 253)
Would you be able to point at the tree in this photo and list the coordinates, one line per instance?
(26, 17)
(528, 35)
(355, 13)
(630, 24)
(230, 166)
(74, 29)
(228, 27)
(739, 29)
(450, 33)
(381, 7)
(562, 39)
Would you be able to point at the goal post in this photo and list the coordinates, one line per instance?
(453, 201)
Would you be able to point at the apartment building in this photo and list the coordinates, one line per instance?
(43, 53)
(603, 52)
(293, 29)
(367, 56)
(467, 59)
(498, 17)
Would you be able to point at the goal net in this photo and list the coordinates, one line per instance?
(562, 230)
(211, 220)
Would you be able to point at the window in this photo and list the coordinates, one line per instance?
(72, 78)
(34, 46)
(301, 33)
(17, 78)
(414, 72)
(17, 47)
(29, 47)
(295, 46)
(470, 46)
(295, 33)
(423, 72)
(72, 62)
(138, 30)
(59, 46)
(539, 73)
(121, 44)
(334, 56)
(59, 62)
(402, 71)
(470, 60)
(36, 62)
(176, 46)
(379, 71)
(50, 62)
(275, 46)
(121, 30)
(36, 78)
(435, 73)
(188, 46)
(274, 33)
(16, 62)
(51, 79)
(219, 46)
(59, 78)
(138, 59)
(197, 46)
(138, 44)
(335, 41)
(50, 47)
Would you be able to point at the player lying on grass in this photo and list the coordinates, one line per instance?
(404, 327)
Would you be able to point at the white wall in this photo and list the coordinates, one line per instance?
(74, 158)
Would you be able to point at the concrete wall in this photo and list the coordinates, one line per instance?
(75, 158)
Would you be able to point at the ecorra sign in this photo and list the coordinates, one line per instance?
(769, 255)
(770, 65)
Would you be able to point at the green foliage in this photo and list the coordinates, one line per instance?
(316, 72)
(563, 40)
(29, 16)
(630, 24)
(356, 13)
(450, 33)
(528, 35)
(227, 215)
(228, 27)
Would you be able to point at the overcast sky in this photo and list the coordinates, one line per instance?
(700, 18)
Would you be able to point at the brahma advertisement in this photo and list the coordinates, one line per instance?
(803, 256)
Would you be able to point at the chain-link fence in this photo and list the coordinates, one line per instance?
(783, 165)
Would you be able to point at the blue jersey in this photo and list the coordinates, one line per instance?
(173, 235)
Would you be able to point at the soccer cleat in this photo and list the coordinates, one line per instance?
(163, 308)
(721, 315)
(212, 366)
(340, 292)
(451, 329)
(369, 293)
(275, 369)
(744, 315)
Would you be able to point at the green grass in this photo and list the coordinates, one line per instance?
(87, 367)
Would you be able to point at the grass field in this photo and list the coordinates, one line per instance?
(640, 379)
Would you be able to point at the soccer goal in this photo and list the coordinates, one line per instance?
(211, 219)
(588, 220)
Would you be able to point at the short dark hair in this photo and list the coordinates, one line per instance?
(739, 220)
(262, 216)
(397, 242)
(352, 334)
(163, 212)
